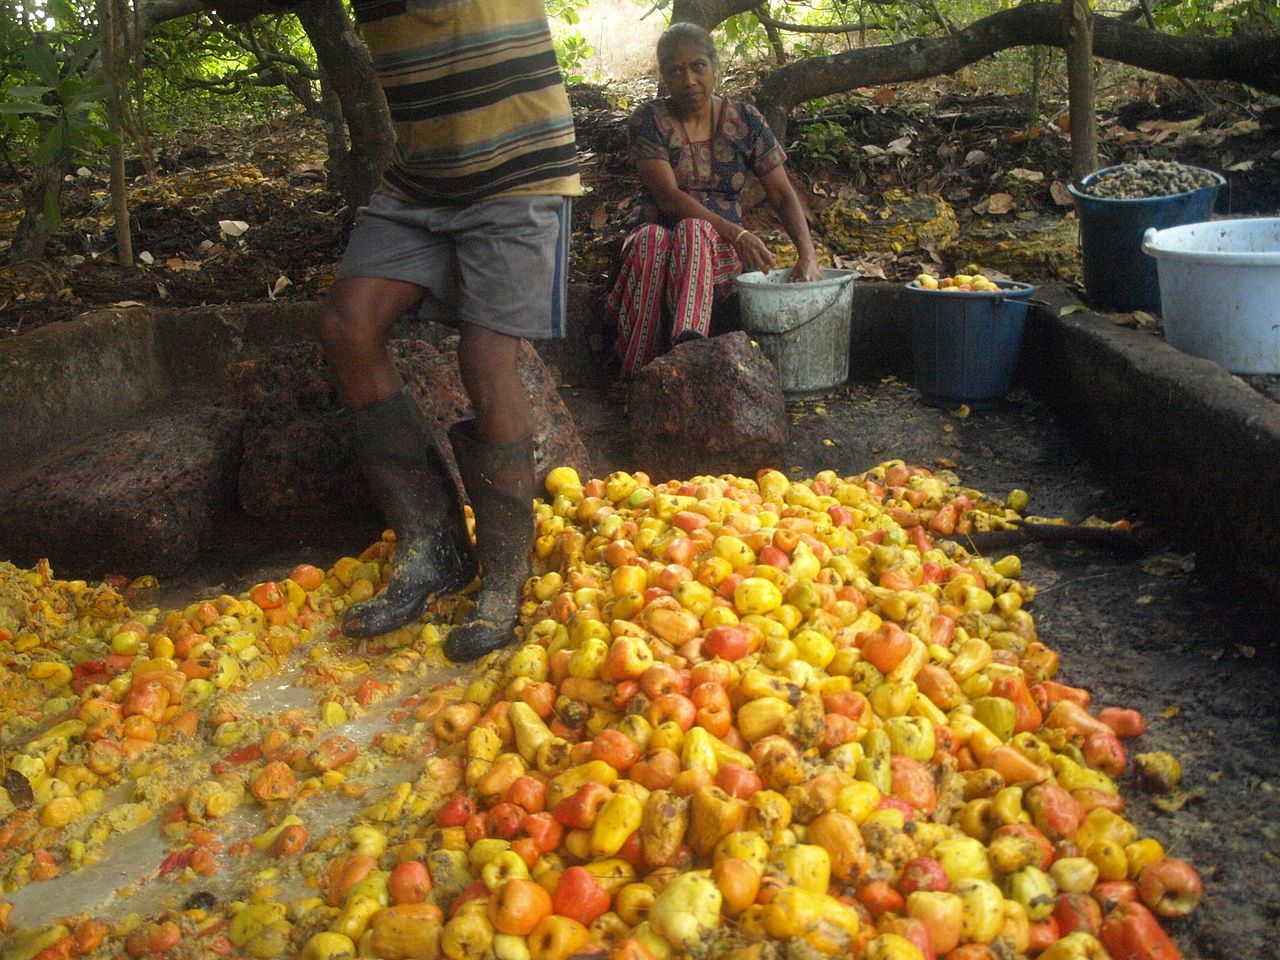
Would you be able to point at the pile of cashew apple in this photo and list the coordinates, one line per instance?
(749, 718)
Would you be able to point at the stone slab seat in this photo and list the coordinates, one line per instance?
(137, 498)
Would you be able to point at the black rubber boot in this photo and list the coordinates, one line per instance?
(419, 501)
(499, 482)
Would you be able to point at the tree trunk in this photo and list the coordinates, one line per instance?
(775, 39)
(41, 195)
(348, 68)
(1251, 60)
(335, 136)
(708, 14)
(138, 114)
(113, 76)
(1078, 19)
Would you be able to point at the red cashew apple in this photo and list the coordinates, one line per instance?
(1170, 887)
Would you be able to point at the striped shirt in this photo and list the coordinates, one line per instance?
(476, 98)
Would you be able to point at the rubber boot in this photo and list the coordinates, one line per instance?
(419, 501)
(499, 483)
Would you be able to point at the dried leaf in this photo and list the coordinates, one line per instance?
(1144, 319)
(232, 228)
(146, 257)
(1061, 196)
(1169, 564)
(999, 203)
(1030, 176)
(871, 150)
(899, 146)
(281, 282)
(829, 443)
(974, 157)
(127, 303)
(1173, 802)
(1171, 126)
(884, 95)
(1072, 308)
(19, 788)
(599, 218)
(1168, 713)
(869, 269)
(961, 411)
(1243, 166)
(1246, 651)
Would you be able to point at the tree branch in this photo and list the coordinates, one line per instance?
(1250, 60)
(768, 21)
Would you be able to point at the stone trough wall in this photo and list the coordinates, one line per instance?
(125, 435)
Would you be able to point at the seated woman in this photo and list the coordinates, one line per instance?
(693, 152)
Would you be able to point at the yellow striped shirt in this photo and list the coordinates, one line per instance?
(476, 97)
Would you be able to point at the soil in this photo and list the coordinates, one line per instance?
(1192, 650)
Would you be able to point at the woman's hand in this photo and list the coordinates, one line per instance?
(752, 252)
(805, 270)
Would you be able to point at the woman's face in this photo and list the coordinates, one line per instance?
(690, 77)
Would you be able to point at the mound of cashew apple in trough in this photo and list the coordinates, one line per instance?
(742, 718)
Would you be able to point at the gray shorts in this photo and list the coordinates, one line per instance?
(501, 264)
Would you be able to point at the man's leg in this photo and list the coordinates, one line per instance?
(495, 457)
(512, 257)
(487, 360)
(358, 314)
(396, 448)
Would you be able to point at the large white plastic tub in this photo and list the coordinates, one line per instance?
(1220, 291)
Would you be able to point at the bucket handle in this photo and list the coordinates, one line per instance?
(1030, 301)
(800, 326)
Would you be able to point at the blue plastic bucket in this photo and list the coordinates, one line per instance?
(965, 345)
(1117, 273)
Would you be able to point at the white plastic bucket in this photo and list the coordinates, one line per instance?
(803, 328)
(1220, 291)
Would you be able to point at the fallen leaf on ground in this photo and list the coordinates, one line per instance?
(232, 228)
(1169, 564)
(1000, 203)
(1072, 308)
(1061, 196)
(1173, 802)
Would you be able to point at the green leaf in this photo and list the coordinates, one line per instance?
(41, 62)
(61, 10)
(1073, 308)
(27, 107)
(22, 91)
(49, 147)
